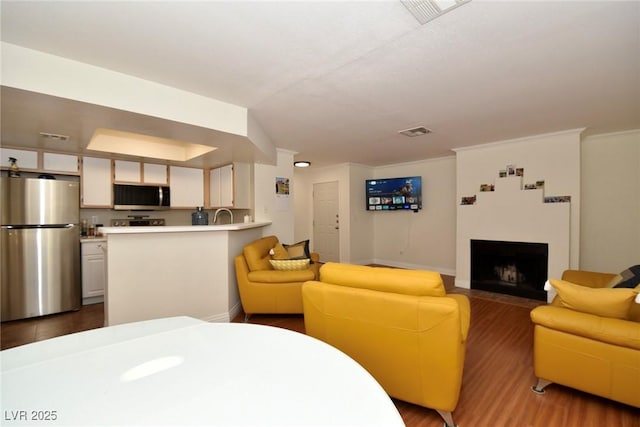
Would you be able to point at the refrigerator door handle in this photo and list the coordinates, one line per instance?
(34, 226)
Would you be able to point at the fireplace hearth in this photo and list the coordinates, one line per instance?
(513, 268)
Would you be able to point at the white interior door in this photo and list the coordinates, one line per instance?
(326, 221)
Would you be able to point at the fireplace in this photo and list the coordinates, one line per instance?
(513, 268)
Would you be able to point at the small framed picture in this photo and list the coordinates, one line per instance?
(519, 171)
(502, 173)
(511, 170)
(469, 200)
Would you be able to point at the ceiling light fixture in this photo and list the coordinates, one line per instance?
(133, 144)
(420, 130)
(427, 10)
(302, 164)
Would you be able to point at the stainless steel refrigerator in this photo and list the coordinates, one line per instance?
(40, 243)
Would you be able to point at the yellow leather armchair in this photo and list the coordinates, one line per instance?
(398, 324)
(583, 350)
(264, 289)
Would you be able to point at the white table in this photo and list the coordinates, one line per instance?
(183, 371)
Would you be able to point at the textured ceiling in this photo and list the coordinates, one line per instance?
(334, 81)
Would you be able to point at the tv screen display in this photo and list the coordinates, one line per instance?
(390, 194)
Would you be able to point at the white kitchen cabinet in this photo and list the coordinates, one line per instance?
(94, 273)
(126, 171)
(54, 162)
(96, 182)
(140, 173)
(155, 174)
(26, 159)
(229, 186)
(187, 187)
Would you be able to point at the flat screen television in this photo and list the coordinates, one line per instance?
(392, 194)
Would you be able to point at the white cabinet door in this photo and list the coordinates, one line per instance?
(187, 187)
(221, 187)
(229, 186)
(226, 186)
(60, 162)
(25, 159)
(96, 182)
(126, 171)
(93, 269)
(242, 186)
(155, 174)
(214, 188)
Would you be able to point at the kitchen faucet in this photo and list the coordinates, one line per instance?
(215, 215)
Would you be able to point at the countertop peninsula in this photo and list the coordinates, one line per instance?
(166, 271)
(184, 228)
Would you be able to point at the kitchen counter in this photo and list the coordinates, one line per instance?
(183, 228)
(167, 271)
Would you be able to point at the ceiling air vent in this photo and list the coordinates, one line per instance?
(54, 136)
(427, 10)
(421, 130)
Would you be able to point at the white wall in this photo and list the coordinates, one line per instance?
(362, 239)
(281, 212)
(601, 173)
(425, 239)
(554, 158)
(403, 239)
(610, 225)
(53, 75)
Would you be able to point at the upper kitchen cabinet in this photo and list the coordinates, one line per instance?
(126, 171)
(25, 159)
(139, 173)
(38, 161)
(64, 163)
(187, 187)
(155, 174)
(96, 183)
(229, 186)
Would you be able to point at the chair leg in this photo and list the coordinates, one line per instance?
(538, 388)
(447, 417)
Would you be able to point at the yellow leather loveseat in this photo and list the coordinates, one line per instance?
(588, 338)
(398, 324)
(263, 289)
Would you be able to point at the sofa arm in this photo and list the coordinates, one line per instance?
(624, 333)
(465, 314)
(590, 279)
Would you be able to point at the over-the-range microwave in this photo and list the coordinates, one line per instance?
(141, 197)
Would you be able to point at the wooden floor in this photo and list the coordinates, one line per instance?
(497, 378)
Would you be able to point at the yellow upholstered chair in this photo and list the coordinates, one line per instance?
(588, 338)
(263, 289)
(398, 324)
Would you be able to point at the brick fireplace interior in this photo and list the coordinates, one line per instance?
(513, 268)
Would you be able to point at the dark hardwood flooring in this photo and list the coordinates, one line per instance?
(497, 378)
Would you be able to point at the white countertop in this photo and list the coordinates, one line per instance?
(182, 371)
(183, 228)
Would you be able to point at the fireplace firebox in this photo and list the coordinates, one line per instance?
(513, 268)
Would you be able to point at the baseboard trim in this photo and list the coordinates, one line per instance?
(225, 317)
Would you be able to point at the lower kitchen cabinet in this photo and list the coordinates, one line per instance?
(94, 273)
